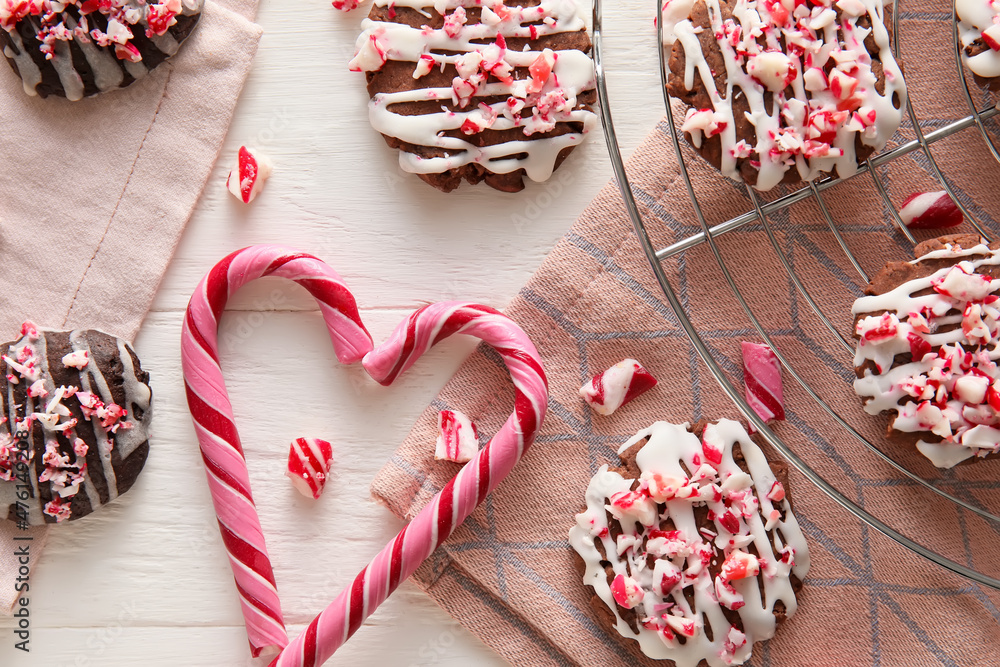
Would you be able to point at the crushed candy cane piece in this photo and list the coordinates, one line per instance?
(247, 177)
(627, 591)
(930, 210)
(762, 381)
(309, 461)
(77, 359)
(458, 439)
(623, 382)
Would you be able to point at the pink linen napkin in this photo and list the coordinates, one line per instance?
(94, 194)
(507, 574)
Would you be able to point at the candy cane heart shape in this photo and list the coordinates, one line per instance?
(459, 497)
(212, 412)
(226, 465)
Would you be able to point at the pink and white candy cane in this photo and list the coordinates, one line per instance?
(226, 465)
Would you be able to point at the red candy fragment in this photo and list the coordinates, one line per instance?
(458, 439)
(762, 381)
(918, 346)
(610, 390)
(309, 462)
(739, 565)
(626, 591)
(992, 37)
(930, 210)
(250, 172)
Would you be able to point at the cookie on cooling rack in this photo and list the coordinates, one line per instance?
(478, 90)
(782, 95)
(690, 546)
(78, 48)
(76, 412)
(979, 31)
(927, 334)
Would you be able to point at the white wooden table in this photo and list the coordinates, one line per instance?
(146, 580)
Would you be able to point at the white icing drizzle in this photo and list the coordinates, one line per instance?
(31, 76)
(107, 73)
(70, 79)
(951, 387)
(108, 55)
(485, 70)
(125, 435)
(978, 19)
(815, 115)
(678, 472)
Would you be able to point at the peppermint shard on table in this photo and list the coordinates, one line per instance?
(309, 461)
(248, 174)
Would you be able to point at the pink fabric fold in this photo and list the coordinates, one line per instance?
(94, 194)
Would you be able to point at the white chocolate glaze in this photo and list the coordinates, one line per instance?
(951, 385)
(814, 62)
(754, 531)
(978, 19)
(486, 68)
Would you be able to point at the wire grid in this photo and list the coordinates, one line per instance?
(759, 215)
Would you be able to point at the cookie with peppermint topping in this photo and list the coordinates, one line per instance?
(478, 90)
(979, 32)
(784, 91)
(79, 48)
(690, 545)
(927, 333)
(74, 422)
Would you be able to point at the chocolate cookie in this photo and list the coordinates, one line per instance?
(74, 435)
(78, 48)
(691, 546)
(980, 34)
(783, 96)
(478, 90)
(927, 334)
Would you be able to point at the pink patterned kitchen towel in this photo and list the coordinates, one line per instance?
(94, 195)
(508, 573)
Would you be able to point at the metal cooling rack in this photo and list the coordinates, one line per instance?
(759, 215)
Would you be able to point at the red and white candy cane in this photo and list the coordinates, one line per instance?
(212, 412)
(226, 465)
